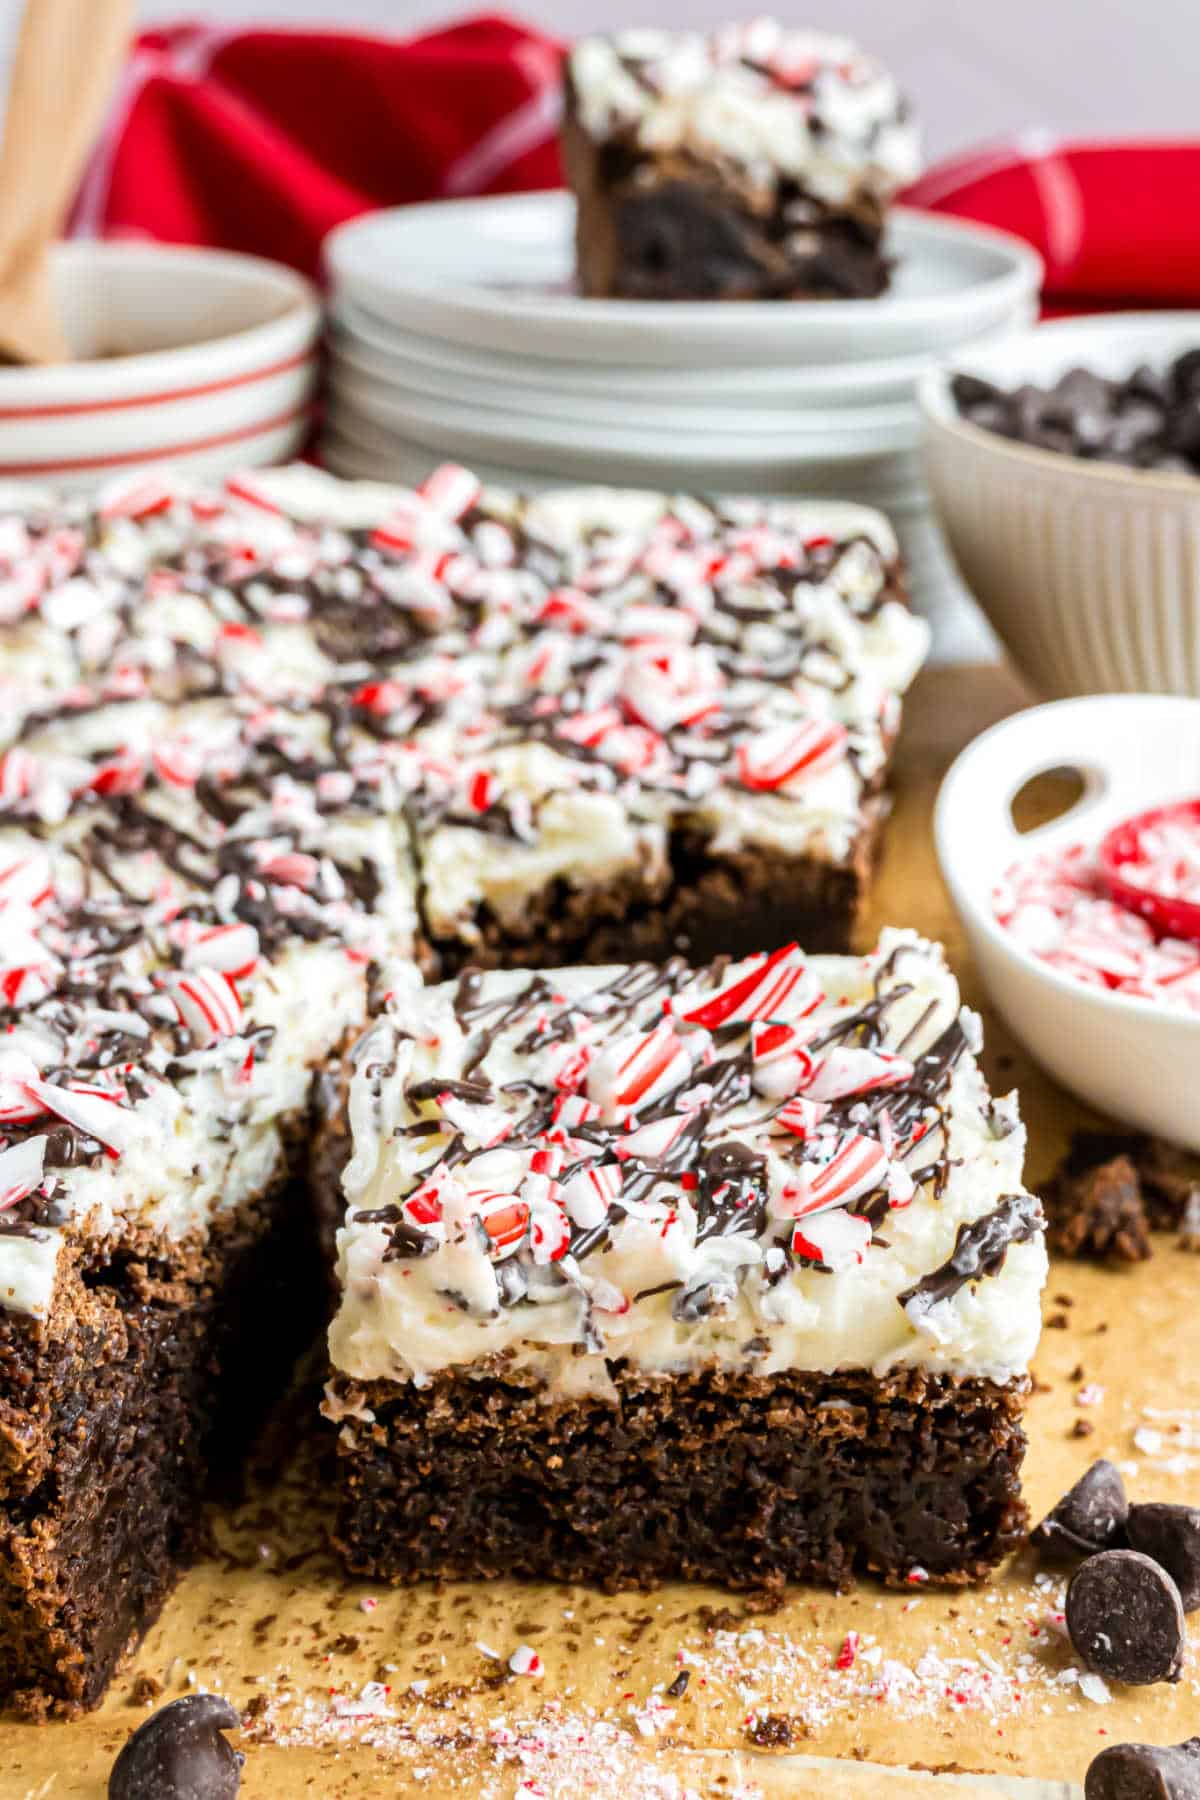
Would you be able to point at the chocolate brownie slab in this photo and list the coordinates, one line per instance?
(649, 1272)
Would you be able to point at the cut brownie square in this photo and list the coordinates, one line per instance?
(672, 734)
(757, 162)
(722, 1273)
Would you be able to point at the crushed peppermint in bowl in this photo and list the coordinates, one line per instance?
(1151, 865)
(1068, 907)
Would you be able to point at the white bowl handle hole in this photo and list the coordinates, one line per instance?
(1089, 784)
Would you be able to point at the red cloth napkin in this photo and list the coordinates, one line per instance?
(264, 140)
(1114, 222)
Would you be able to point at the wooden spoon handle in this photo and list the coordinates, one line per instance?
(68, 56)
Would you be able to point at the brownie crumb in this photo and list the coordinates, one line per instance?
(1098, 1212)
(1112, 1189)
(1082, 1428)
(145, 1689)
(679, 1686)
(772, 1732)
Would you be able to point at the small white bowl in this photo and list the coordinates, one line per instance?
(200, 358)
(1131, 1058)
(1089, 572)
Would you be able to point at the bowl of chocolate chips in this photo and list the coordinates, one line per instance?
(1064, 465)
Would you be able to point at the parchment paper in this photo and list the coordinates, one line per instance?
(980, 1684)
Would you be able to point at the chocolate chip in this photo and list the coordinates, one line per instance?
(180, 1754)
(1147, 420)
(1171, 1535)
(1090, 1517)
(1145, 1772)
(1125, 1618)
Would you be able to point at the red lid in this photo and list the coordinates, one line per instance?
(1125, 845)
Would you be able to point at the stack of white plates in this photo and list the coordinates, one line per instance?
(456, 334)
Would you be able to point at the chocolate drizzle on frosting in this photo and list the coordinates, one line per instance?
(979, 1251)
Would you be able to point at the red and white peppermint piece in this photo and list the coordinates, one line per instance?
(650, 1141)
(124, 773)
(451, 491)
(589, 729)
(638, 1068)
(548, 1159)
(785, 753)
(231, 949)
(178, 763)
(778, 986)
(125, 682)
(19, 1103)
(504, 1219)
(668, 685)
(22, 1167)
(292, 868)
(837, 1240)
(95, 1111)
(571, 1110)
(549, 1232)
(656, 624)
(140, 498)
(799, 1115)
(636, 750)
(857, 1167)
(848, 1069)
(589, 1193)
(25, 983)
(606, 1297)
(381, 698)
(424, 1205)
(20, 771)
(525, 1661)
(782, 1064)
(207, 1004)
(26, 880)
(399, 532)
(482, 790)
(573, 610)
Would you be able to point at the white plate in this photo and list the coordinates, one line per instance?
(496, 274)
(655, 424)
(384, 349)
(887, 483)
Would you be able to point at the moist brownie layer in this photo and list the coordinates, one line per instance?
(731, 905)
(742, 1481)
(666, 230)
(142, 1389)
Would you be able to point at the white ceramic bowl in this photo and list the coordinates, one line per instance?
(200, 358)
(1089, 572)
(1134, 1059)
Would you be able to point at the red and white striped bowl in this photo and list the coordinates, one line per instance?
(197, 358)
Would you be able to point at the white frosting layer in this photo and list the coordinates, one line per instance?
(774, 102)
(406, 1317)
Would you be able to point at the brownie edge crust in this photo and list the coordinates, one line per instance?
(744, 1481)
